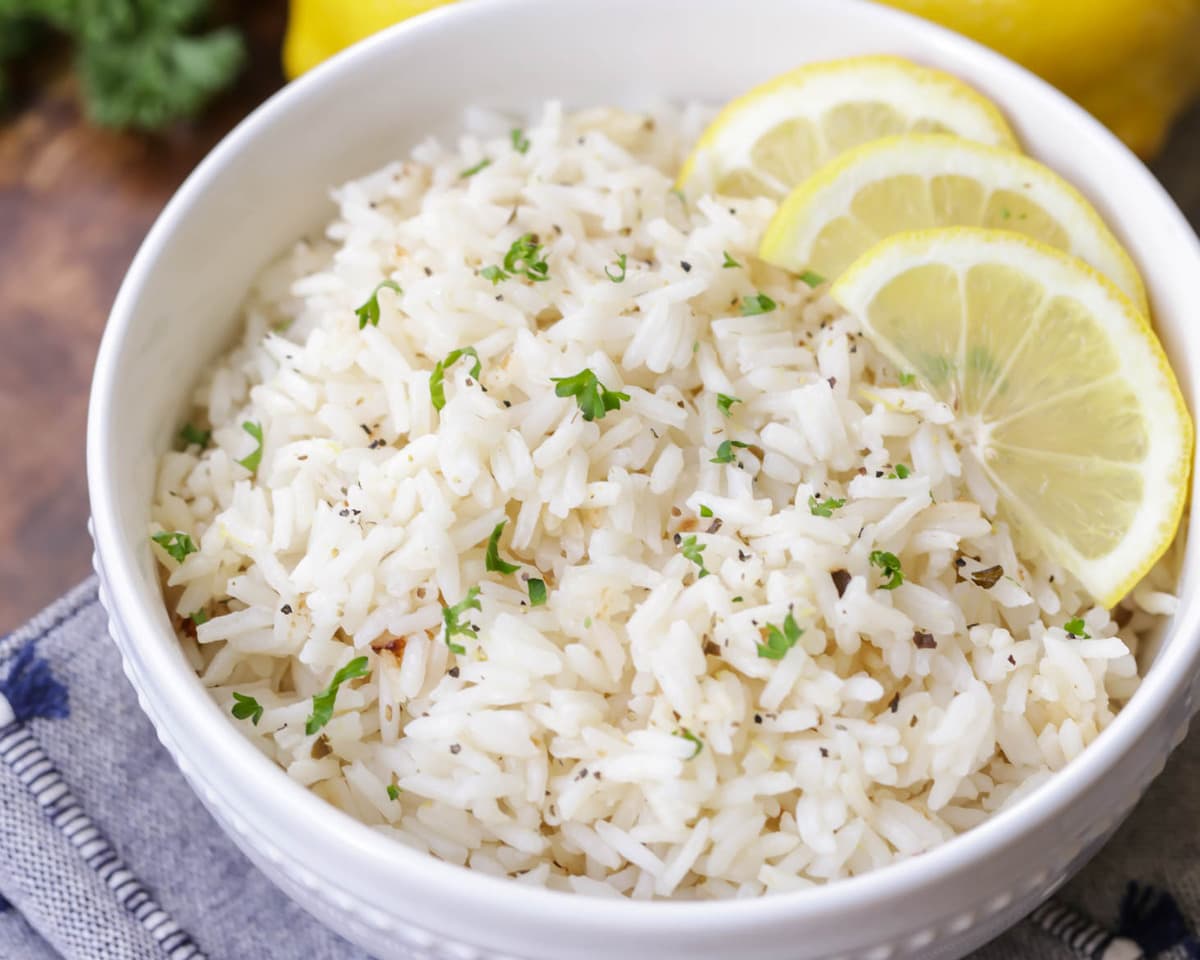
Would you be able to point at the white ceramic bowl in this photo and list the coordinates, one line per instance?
(266, 184)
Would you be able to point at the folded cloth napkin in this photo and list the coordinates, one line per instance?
(105, 853)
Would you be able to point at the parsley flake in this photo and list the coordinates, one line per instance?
(725, 401)
(725, 451)
(685, 734)
(780, 641)
(199, 616)
(246, 708)
(369, 311)
(493, 273)
(757, 304)
(692, 550)
(520, 142)
(471, 171)
(191, 434)
(907, 379)
(824, 507)
(393, 792)
(450, 617)
(525, 257)
(617, 277)
(254, 458)
(901, 472)
(537, 592)
(437, 379)
(811, 278)
(1077, 628)
(730, 263)
(889, 566)
(492, 560)
(593, 397)
(322, 709)
(177, 544)
(705, 511)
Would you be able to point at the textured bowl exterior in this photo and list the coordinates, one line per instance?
(263, 187)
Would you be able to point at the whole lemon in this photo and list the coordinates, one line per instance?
(1133, 63)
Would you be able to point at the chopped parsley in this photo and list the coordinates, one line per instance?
(889, 566)
(811, 278)
(617, 277)
(824, 507)
(537, 592)
(191, 434)
(524, 257)
(737, 599)
(493, 561)
(730, 263)
(901, 472)
(705, 511)
(1077, 628)
(437, 379)
(199, 616)
(692, 551)
(780, 641)
(177, 544)
(369, 311)
(254, 457)
(322, 702)
(725, 401)
(725, 451)
(520, 142)
(246, 708)
(685, 734)
(759, 303)
(907, 379)
(450, 617)
(471, 171)
(593, 397)
(393, 792)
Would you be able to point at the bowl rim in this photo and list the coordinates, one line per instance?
(361, 844)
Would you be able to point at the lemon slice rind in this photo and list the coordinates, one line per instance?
(922, 95)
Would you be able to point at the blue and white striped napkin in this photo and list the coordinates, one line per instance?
(105, 853)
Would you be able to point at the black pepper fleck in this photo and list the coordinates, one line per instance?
(824, 752)
(454, 672)
(286, 609)
(758, 718)
(841, 580)
(687, 267)
(894, 705)
(923, 640)
(455, 747)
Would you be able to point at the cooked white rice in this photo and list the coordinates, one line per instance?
(561, 747)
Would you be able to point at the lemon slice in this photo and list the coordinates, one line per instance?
(1063, 393)
(933, 180)
(770, 139)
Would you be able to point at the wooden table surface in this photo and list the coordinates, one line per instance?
(75, 203)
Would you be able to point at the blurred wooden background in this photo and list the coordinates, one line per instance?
(74, 205)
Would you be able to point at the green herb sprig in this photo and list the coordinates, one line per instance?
(246, 708)
(825, 506)
(370, 311)
(693, 550)
(177, 544)
(725, 401)
(191, 434)
(730, 263)
(252, 460)
(889, 566)
(593, 397)
(322, 703)
(780, 641)
(617, 277)
(537, 592)
(725, 451)
(453, 626)
(685, 734)
(437, 379)
(758, 304)
(1077, 628)
(520, 142)
(492, 559)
